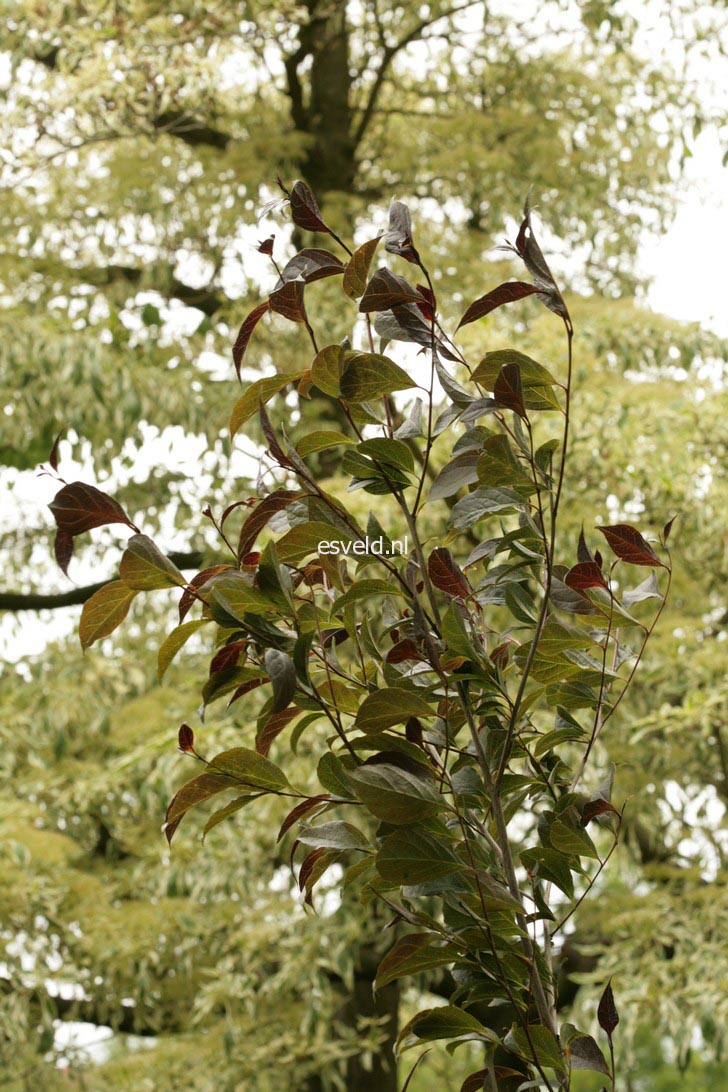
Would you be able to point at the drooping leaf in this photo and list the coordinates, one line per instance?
(334, 835)
(412, 954)
(195, 792)
(104, 611)
(298, 812)
(388, 452)
(309, 265)
(248, 768)
(320, 441)
(411, 856)
(246, 332)
(629, 545)
(396, 793)
(289, 301)
(585, 1053)
(188, 595)
(328, 368)
(459, 472)
(389, 706)
(363, 589)
(445, 1022)
(174, 642)
(261, 515)
(357, 270)
(532, 255)
(584, 575)
(261, 391)
(497, 297)
(222, 814)
(144, 567)
(78, 507)
(370, 375)
(305, 538)
(282, 673)
(483, 502)
(541, 1041)
(235, 597)
(648, 589)
(447, 575)
(386, 290)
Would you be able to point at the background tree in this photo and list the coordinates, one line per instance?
(104, 243)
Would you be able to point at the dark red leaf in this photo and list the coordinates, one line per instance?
(533, 259)
(501, 655)
(245, 689)
(245, 333)
(188, 597)
(386, 290)
(305, 212)
(586, 574)
(266, 247)
(404, 651)
(273, 728)
(607, 1014)
(260, 516)
(446, 575)
(428, 304)
(413, 731)
(311, 265)
(186, 739)
(504, 293)
(628, 544)
(508, 389)
(63, 549)
(53, 457)
(227, 656)
(307, 867)
(596, 807)
(398, 239)
(583, 552)
(288, 301)
(170, 828)
(667, 528)
(79, 507)
(299, 811)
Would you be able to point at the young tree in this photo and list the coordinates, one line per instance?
(449, 671)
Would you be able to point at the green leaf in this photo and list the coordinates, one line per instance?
(357, 269)
(544, 1043)
(145, 568)
(174, 642)
(334, 777)
(571, 840)
(262, 390)
(236, 597)
(389, 706)
(460, 471)
(319, 441)
(396, 794)
(304, 539)
(251, 769)
(362, 590)
(370, 375)
(327, 369)
(196, 791)
(499, 467)
(445, 1022)
(412, 856)
(104, 611)
(533, 374)
(224, 813)
(413, 954)
(334, 835)
(483, 502)
(389, 452)
(549, 865)
(282, 673)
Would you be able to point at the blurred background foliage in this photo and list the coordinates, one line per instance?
(141, 140)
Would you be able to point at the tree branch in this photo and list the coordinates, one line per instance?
(17, 601)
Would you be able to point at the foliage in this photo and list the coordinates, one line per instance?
(494, 690)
